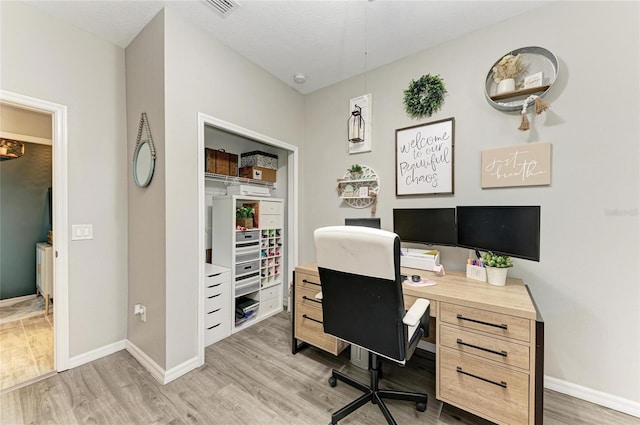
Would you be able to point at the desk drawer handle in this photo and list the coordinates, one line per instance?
(214, 326)
(500, 353)
(461, 317)
(311, 318)
(304, 297)
(500, 384)
(312, 283)
(213, 286)
(213, 296)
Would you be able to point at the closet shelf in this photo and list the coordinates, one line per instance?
(232, 180)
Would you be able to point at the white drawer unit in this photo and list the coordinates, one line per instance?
(254, 256)
(217, 304)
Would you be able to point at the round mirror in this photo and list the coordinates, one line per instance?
(143, 164)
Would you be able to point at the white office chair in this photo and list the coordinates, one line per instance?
(362, 304)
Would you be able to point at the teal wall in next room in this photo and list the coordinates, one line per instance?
(24, 218)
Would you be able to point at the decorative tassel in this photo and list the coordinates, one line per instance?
(541, 105)
(524, 125)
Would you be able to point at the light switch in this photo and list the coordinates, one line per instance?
(81, 232)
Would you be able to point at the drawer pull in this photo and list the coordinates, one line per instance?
(213, 286)
(500, 384)
(213, 296)
(461, 317)
(211, 312)
(214, 326)
(312, 283)
(304, 297)
(311, 318)
(500, 353)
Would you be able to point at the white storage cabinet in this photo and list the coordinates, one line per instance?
(254, 257)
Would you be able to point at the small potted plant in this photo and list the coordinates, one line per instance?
(497, 268)
(244, 217)
(356, 171)
(505, 73)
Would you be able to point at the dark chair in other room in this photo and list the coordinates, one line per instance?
(362, 304)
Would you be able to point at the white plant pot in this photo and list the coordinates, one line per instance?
(497, 276)
(505, 86)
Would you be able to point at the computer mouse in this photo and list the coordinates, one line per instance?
(415, 278)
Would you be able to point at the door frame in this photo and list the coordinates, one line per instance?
(292, 205)
(60, 218)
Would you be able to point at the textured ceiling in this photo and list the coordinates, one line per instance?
(325, 40)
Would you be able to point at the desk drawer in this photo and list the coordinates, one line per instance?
(215, 301)
(307, 297)
(215, 317)
(216, 279)
(486, 321)
(309, 281)
(309, 329)
(498, 350)
(495, 392)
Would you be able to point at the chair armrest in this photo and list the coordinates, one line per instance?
(415, 313)
(319, 296)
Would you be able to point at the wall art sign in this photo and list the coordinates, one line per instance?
(522, 165)
(424, 158)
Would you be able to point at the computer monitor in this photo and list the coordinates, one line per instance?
(504, 230)
(366, 222)
(430, 226)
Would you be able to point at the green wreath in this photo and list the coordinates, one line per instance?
(425, 96)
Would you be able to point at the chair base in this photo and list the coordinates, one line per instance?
(373, 394)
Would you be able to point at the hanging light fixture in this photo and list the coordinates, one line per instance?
(10, 149)
(356, 126)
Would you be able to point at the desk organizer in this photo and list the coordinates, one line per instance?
(476, 273)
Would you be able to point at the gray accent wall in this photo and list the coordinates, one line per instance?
(147, 206)
(24, 218)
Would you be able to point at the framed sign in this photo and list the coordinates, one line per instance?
(522, 165)
(424, 158)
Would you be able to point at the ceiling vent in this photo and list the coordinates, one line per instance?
(224, 7)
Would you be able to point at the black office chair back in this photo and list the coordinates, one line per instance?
(362, 299)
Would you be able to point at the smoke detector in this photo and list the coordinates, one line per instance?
(300, 78)
(224, 7)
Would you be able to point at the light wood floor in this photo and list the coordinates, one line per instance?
(249, 378)
(26, 349)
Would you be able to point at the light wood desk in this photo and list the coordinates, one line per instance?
(489, 341)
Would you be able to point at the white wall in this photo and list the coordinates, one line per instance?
(586, 283)
(146, 208)
(202, 75)
(47, 59)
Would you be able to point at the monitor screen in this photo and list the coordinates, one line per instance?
(431, 226)
(505, 230)
(366, 222)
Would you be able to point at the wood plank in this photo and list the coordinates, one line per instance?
(249, 371)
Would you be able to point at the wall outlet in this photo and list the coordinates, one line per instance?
(140, 311)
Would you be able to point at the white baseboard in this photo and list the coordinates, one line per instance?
(181, 369)
(154, 369)
(620, 404)
(10, 301)
(96, 354)
(160, 375)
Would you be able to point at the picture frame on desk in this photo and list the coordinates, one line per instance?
(425, 158)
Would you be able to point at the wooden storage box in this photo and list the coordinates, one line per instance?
(218, 161)
(258, 173)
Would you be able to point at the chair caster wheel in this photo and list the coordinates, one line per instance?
(333, 382)
(421, 407)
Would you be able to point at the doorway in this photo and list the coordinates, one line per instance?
(56, 200)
